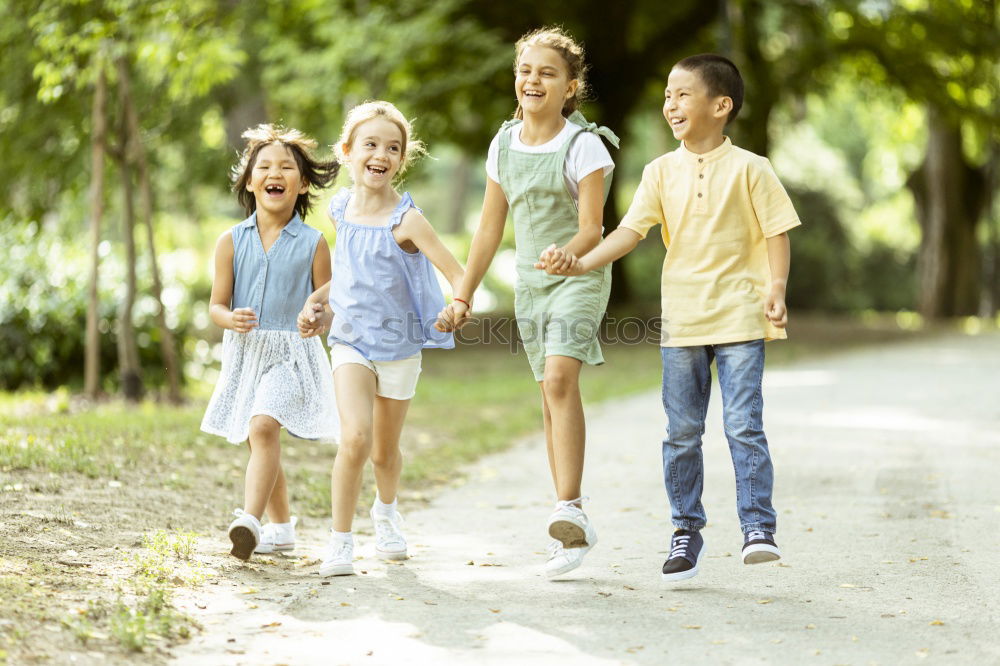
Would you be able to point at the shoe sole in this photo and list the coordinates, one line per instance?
(569, 534)
(339, 570)
(760, 553)
(394, 555)
(244, 542)
(680, 575)
(264, 550)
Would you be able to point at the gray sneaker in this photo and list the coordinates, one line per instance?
(686, 549)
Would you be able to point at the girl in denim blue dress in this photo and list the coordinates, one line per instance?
(381, 308)
(265, 268)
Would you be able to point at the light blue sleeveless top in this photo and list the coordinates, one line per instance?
(277, 283)
(385, 300)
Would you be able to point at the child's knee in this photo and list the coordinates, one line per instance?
(382, 457)
(559, 385)
(355, 445)
(264, 430)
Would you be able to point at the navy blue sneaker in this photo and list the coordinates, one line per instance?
(686, 549)
(759, 547)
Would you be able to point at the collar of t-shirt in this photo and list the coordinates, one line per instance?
(550, 146)
(710, 156)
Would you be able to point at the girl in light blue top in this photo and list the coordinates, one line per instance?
(380, 307)
(265, 267)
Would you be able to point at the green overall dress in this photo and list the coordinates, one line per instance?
(556, 315)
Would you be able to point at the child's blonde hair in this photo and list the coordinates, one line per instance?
(554, 37)
(412, 148)
(317, 173)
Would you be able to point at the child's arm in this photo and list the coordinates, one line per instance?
(241, 320)
(484, 246)
(315, 317)
(779, 255)
(618, 243)
(416, 229)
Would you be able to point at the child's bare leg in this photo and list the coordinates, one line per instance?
(355, 387)
(387, 459)
(547, 425)
(277, 504)
(264, 464)
(562, 395)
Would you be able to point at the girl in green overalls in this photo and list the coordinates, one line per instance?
(549, 167)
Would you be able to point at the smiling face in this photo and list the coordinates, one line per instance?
(276, 181)
(375, 153)
(694, 116)
(542, 82)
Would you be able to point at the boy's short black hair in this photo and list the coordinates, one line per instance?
(719, 75)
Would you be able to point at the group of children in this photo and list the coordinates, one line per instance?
(723, 216)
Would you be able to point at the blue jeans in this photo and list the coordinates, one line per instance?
(687, 383)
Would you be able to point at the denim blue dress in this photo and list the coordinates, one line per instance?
(271, 370)
(385, 300)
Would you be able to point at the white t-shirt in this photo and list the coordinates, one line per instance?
(586, 155)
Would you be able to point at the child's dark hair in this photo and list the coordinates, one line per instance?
(719, 75)
(557, 39)
(316, 173)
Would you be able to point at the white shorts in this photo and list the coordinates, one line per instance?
(396, 380)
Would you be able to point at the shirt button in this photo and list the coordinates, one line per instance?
(699, 195)
(700, 160)
(701, 175)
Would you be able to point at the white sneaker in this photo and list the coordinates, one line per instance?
(390, 544)
(244, 532)
(574, 537)
(276, 538)
(338, 557)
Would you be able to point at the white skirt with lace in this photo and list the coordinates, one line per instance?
(278, 374)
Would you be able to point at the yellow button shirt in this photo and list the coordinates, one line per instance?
(716, 210)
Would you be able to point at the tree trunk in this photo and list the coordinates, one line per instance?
(949, 196)
(137, 156)
(98, 138)
(754, 125)
(128, 351)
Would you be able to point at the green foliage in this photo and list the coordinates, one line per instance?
(829, 272)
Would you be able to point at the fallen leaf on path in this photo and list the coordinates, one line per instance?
(494, 610)
(431, 603)
(252, 606)
(848, 585)
(764, 601)
(692, 626)
(628, 587)
(922, 653)
(634, 649)
(270, 624)
(810, 626)
(937, 623)
(248, 590)
(470, 563)
(604, 594)
(776, 640)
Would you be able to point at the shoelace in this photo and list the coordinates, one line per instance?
(554, 548)
(390, 530)
(756, 534)
(679, 546)
(340, 550)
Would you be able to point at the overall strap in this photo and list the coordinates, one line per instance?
(577, 119)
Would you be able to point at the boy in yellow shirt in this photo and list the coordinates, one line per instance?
(724, 217)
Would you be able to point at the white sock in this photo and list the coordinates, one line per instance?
(383, 509)
(342, 536)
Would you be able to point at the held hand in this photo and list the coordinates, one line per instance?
(775, 310)
(313, 320)
(452, 317)
(575, 267)
(545, 258)
(243, 320)
(561, 262)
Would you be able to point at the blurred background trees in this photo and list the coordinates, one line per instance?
(119, 121)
